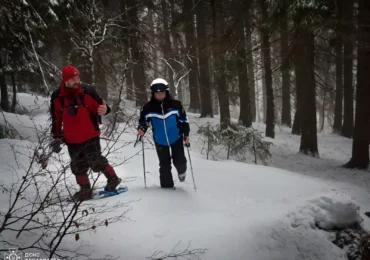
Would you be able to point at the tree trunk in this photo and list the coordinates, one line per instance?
(258, 112)
(323, 111)
(128, 75)
(14, 101)
(167, 50)
(152, 25)
(176, 54)
(264, 95)
(139, 77)
(4, 104)
(126, 41)
(192, 63)
(296, 129)
(245, 117)
(324, 95)
(306, 98)
(347, 128)
(99, 72)
(89, 77)
(171, 80)
(284, 42)
(137, 53)
(219, 49)
(130, 85)
(270, 111)
(361, 138)
(250, 64)
(21, 87)
(338, 71)
(204, 81)
(180, 90)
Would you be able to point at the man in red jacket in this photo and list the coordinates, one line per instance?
(76, 112)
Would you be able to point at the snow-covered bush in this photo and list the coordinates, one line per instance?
(209, 135)
(236, 139)
(6, 130)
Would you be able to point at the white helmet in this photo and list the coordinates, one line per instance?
(159, 85)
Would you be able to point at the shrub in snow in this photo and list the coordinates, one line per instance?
(5, 132)
(365, 247)
(6, 129)
(236, 139)
(349, 240)
(209, 135)
(35, 206)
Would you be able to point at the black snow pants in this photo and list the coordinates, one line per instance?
(88, 155)
(179, 161)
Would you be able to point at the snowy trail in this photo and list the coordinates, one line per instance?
(239, 211)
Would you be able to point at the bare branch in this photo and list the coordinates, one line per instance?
(179, 254)
(37, 58)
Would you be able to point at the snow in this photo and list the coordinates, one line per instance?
(54, 2)
(285, 210)
(23, 127)
(34, 105)
(329, 213)
(29, 122)
(53, 14)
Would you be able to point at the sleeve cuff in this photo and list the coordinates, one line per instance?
(108, 109)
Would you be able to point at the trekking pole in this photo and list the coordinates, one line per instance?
(191, 167)
(142, 143)
(138, 139)
(141, 139)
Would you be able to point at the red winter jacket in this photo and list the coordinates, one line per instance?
(80, 122)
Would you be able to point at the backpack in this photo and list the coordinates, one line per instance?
(96, 119)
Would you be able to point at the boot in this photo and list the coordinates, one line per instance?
(182, 177)
(166, 180)
(112, 184)
(83, 194)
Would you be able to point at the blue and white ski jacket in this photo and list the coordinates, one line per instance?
(168, 119)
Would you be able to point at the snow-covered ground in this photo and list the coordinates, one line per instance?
(239, 210)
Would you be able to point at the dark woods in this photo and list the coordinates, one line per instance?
(299, 63)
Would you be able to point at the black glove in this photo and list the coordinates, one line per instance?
(187, 145)
(55, 145)
(183, 129)
(142, 128)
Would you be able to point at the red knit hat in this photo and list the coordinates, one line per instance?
(69, 72)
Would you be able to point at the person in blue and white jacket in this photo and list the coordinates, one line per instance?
(170, 128)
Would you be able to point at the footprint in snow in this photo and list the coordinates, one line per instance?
(161, 233)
